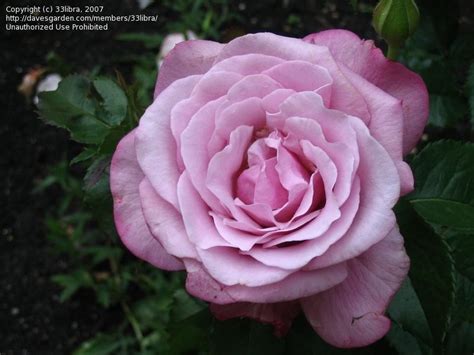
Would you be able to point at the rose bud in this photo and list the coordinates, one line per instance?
(395, 21)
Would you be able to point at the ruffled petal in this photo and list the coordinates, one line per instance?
(303, 76)
(344, 95)
(351, 314)
(125, 177)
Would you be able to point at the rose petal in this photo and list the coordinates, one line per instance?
(197, 221)
(256, 85)
(222, 168)
(239, 269)
(248, 112)
(380, 189)
(271, 102)
(186, 59)
(165, 223)
(299, 255)
(363, 58)
(386, 124)
(340, 153)
(343, 93)
(126, 176)
(303, 76)
(154, 133)
(297, 285)
(247, 64)
(329, 213)
(210, 87)
(194, 150)
(351, 314)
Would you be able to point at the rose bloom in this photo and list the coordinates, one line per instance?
(268, 168)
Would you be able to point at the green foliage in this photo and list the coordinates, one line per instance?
(441, 254)
(441, 54)
(104, 344)
(244, 337)
(205, 17)
(431, 272)
(157, 320)
(409, 321)
(470, 90)
(87, 114)
(71, 107)
(114, 101)
(150, 41)
(444, 175)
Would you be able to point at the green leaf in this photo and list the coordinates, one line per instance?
(148, 40)
(103, 295)
(406, 311)
(244, 337)
(446, 111)
(71, 108)
(96, 187)
(404, 342)
(190, 334)
(114, 100)
(184, 305)
(103, 344)
(85, 155)
(445, 17)
(461, 340)
(461, 52)
(464, 307)
(470, 90)
(99, 253)
(431, 271)
(110, 142)
(87, 130)
(72, 283)
(463, 251)
(70, 98)
(444, 176)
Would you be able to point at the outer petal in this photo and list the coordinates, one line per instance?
(297, 285)
(155, 144)
(165, 222)
(352, 313)
(280, 315)
(125, 178)
(186, 59)
(365, 59)
(386, 124)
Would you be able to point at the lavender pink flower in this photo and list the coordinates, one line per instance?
(267, 168)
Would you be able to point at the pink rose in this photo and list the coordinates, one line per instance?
(268, 168)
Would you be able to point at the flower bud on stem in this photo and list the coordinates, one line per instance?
(395, 21)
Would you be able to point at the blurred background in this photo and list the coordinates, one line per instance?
(65, 283)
